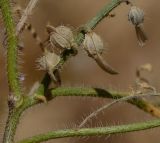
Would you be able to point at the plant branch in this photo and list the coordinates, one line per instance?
(14, 85)
(92, 131)
(13, 120)
(11, 125)
(27, 12)
(84, 92)
(91, 24)
(103, 13)
(12, 51)
(93, 92)
(97, 92)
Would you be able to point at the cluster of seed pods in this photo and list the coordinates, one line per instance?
(61, 38)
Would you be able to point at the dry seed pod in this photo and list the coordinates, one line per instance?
(94, 47)
(49, 62)
(61, 36)
(136, 16)
(93, 44)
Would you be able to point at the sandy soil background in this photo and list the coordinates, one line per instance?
(122, 52)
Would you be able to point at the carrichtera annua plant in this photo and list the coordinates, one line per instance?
(61, 44)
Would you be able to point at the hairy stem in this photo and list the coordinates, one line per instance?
(12, 72)
(11, 126)
(97, 92)
(93, 92)
(13, 120)
(92, 131)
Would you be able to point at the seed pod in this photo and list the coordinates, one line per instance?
(93, 44)
(94, 47)
(136, 16)
(61, 36)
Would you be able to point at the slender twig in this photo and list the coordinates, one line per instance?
(106, 106)
(27, 12)
(92, 131)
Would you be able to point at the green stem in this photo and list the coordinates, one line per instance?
(13, 120)
(92, 131)
(12, 72)
(97, 92)
(91, 24)
(93, 92)
(14, 117)
(11, 126)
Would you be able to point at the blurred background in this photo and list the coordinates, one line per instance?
(122, 52)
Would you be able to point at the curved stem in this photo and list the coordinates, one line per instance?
(93, 92)
(92, 131)
(12, 72)
(97, 92)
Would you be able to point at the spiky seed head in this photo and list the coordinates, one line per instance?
(61, 36)
(49, 61)
(136, 15)
(93, 43)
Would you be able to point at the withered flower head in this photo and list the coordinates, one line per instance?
(48, 61)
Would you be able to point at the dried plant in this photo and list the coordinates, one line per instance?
(61, 44)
